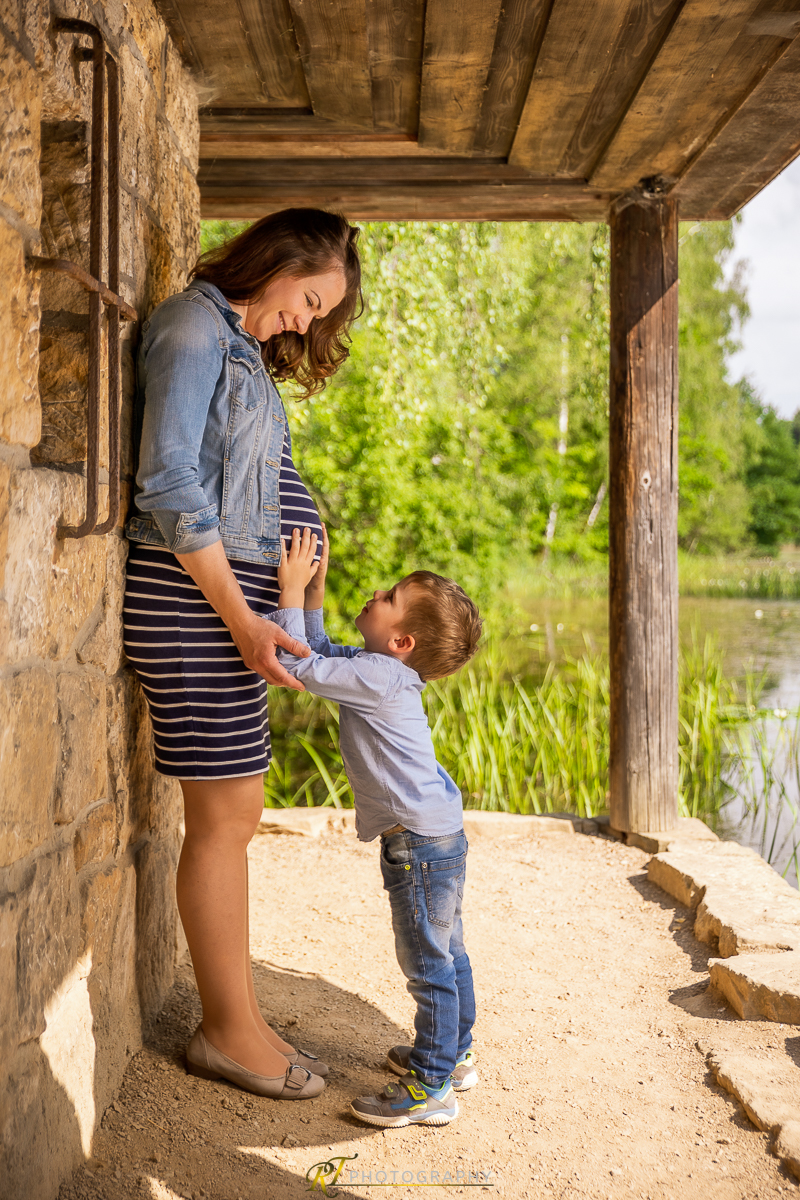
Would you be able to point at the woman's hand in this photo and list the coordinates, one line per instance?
(297, 568)
(255, 638)
(257, 646)
(315, 590)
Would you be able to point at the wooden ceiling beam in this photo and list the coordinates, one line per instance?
(364, 172)
(577, 45)
(750, 150)
(315, 145)
(249, 56)
(459, 43)
(520, 31)
(716, 58)
(334, 52)
(414, 202)
(396, 35)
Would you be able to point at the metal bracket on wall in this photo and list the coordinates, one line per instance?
(104, 66)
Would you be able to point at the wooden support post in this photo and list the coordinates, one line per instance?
(643, 513)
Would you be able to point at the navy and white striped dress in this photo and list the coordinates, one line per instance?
(208, 710)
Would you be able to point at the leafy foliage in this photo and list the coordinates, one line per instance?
(469, 428)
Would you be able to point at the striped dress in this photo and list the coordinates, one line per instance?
(208, 710)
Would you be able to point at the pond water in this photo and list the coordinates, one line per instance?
(761, 635)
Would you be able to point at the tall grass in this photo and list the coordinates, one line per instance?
(535, 746)
(723, 576)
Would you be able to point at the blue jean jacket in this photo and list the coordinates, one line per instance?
(212, 434)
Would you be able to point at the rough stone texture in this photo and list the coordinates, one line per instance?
(760, 986)
(768, 1090)
(20, 413)
(48, 937)
(82, 812)
(688, 829)
(742, 904)
(82, 775)
(52, 585)
(20, 114)
(29, 751)
(96, 836)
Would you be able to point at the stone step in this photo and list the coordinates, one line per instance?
(768, 1090)
(760, 986)
(314, 822)
(741, 904)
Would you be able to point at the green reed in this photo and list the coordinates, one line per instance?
(528, 745)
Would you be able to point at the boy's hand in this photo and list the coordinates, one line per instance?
(315, 590)
(297, 568)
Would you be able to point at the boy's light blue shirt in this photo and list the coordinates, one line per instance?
(383, 732)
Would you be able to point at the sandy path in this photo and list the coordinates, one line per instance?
(590, 1005)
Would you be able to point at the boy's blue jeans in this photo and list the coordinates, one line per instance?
(424, 877)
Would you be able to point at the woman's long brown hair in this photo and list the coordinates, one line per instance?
(297, 242)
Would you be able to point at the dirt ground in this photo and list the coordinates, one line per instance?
(591, 1007)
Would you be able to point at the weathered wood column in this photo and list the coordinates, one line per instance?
(643, 500)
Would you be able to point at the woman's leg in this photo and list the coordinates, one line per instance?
(221, 818)
(272, 1037)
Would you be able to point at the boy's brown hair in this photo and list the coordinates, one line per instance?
(444, 622)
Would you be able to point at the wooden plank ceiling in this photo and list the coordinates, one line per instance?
(489, 109)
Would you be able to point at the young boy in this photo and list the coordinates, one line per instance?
(425, 627)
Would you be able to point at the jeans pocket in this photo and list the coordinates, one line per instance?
(444, 885)
(395, 874)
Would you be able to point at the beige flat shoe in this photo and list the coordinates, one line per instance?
(205, 1061)
(310, 1062)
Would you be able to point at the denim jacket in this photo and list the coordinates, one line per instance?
(212, 433)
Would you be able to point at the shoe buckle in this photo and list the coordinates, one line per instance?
(290, 1082)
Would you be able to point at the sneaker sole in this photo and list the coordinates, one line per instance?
(469, 1081)
(440, 1118)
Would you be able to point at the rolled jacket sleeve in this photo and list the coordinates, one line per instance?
(181, 362)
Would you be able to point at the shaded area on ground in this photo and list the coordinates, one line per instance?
(590, 1010)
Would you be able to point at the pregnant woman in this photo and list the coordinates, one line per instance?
(216, 491)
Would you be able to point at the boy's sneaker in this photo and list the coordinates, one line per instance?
(407, 1102)
(464, 1076)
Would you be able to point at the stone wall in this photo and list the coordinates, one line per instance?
(89, 834)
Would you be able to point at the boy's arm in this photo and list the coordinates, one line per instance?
(318, 639)
(357, 680)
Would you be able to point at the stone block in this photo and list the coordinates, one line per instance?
(102, 644)
(29, 752)
(48, 938)
(689, 829)
(99, 895)
(52, 584)
(9, 918)
(743, 905)
(68, 1044)
(500, 824)
(20, 412)
(180, 105)
(786, 1146)
(686, 871)
(63, 383)
(5, 499)
(96, 836)
(156, 917)
(82, 774)
(302, 822)
(20, 119)
(40, 1137)
(760, 987)
(768, 1091)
